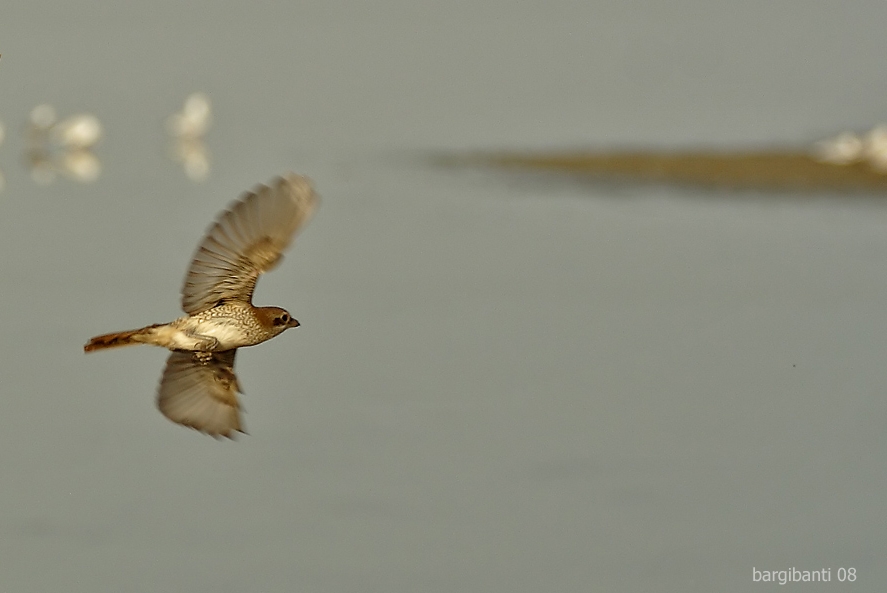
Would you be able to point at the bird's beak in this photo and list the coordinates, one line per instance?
(293, 323)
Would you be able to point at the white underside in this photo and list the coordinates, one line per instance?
(228, 337)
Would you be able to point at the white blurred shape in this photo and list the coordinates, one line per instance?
(840, 150)
(197, 107)
(188, 128)
(876, 148)
(197, 167)
(192, 153)
(78, 131)
(82, 165)
(194, 119)
(2, 132)
(43, 116)
(62, 147)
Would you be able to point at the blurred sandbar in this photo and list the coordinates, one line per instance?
(763, 170)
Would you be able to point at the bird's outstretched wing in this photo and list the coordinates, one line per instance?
(245, 241)
(199, 390)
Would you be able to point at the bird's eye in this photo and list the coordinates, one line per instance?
(284, 318)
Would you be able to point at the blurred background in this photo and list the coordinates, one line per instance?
(503, 381)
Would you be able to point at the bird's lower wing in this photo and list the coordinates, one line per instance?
(199, 390)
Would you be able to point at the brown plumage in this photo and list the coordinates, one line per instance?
(116, 340)
(199, 388)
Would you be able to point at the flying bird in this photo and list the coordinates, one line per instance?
(198, 388)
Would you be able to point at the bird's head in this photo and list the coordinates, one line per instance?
(275, 319)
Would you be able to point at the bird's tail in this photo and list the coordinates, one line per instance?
(126, 338)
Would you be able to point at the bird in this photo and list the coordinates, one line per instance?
(198, 387)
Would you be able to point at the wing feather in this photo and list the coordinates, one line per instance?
(247, 240)
(199, 390)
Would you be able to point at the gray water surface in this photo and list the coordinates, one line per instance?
(501, 383)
